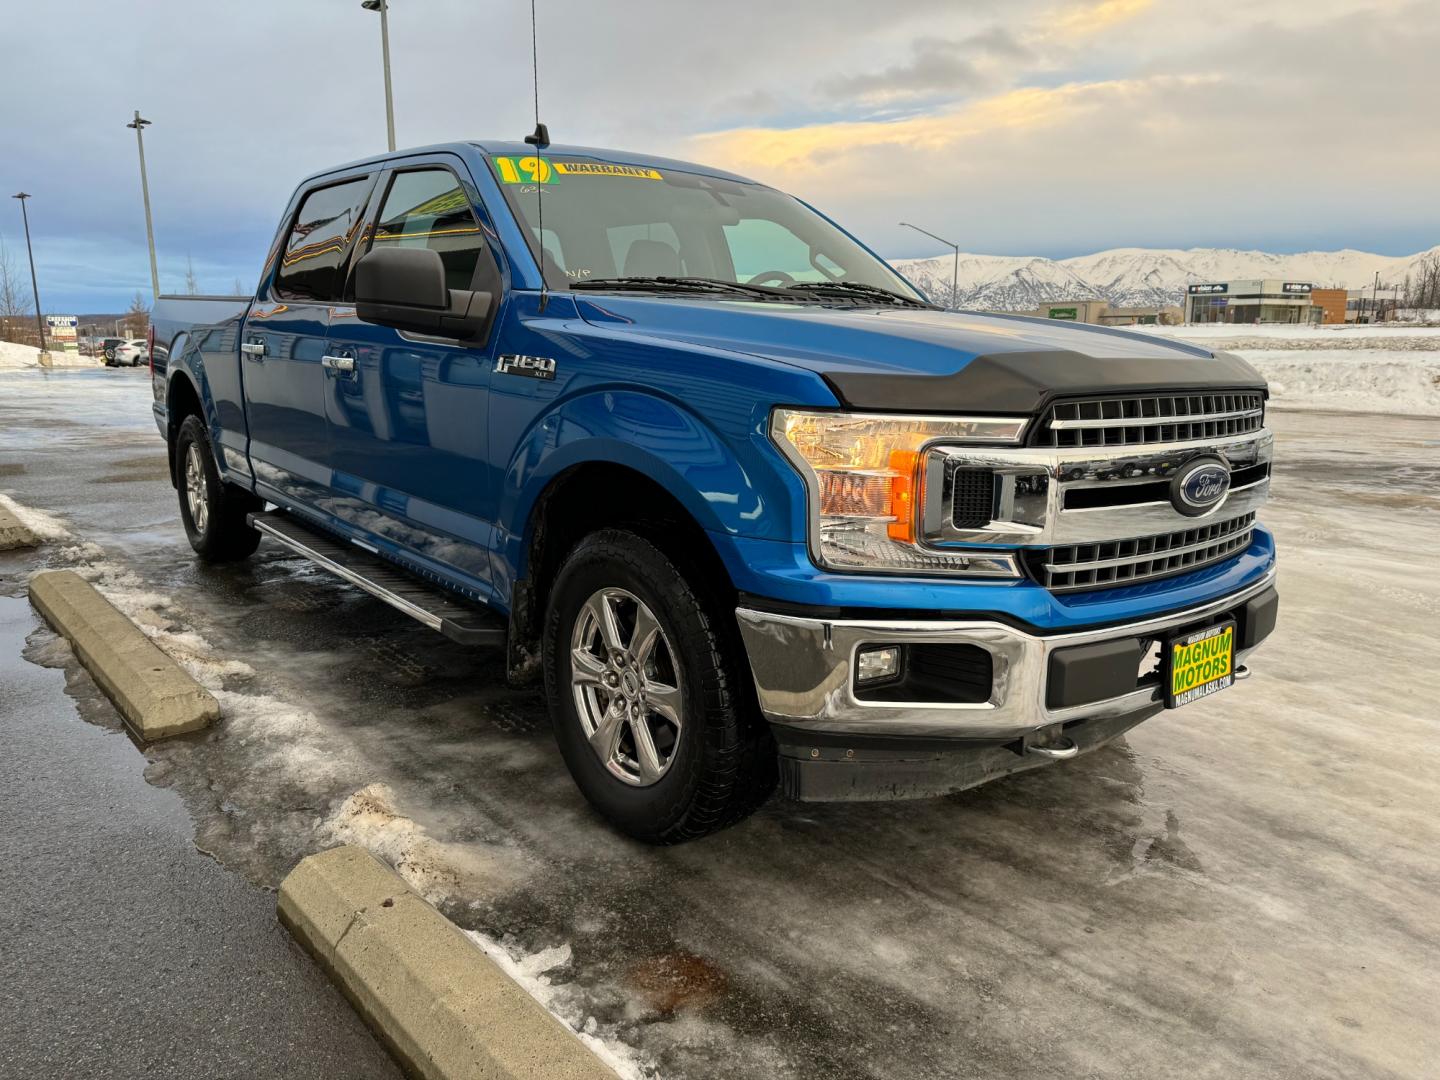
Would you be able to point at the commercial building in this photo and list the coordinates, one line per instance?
(1100, 312)
(1269, 300)
(1331, 303)
(1072, 310)
(1141, 316)
(1372, 305)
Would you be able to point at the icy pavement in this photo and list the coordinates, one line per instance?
(1242, 888)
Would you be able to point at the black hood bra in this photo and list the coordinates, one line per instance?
(1024, 382)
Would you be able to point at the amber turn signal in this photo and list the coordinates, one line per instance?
(904, 487)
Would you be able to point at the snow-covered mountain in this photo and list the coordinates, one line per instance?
(1135, 277)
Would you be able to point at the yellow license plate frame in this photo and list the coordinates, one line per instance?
(1198, 664)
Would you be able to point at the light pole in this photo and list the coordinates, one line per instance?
(140, 124)
(383, 7)
(34, 288)
(955, 273)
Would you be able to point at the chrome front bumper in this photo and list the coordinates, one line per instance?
(804, 673)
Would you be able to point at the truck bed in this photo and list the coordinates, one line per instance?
(173, 315)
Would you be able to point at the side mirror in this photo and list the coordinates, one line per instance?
(405, 288)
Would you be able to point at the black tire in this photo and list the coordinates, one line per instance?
(722, 764)
(223, 535)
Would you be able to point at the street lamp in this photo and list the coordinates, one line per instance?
(383, 7)
(140, 124)
(34, 288)
(955, 273)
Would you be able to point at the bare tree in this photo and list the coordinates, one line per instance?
(192, 286)
(16, 322)
(137, 319)
(1422, 285)
(237, 288)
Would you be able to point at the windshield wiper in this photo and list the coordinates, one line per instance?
(856, 290)
(680, 284)
(847, 290)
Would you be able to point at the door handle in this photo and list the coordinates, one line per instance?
(253, 348)
(338, 363)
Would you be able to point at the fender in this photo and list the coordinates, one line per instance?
(657, 436)
(185, 375)
(187, 363)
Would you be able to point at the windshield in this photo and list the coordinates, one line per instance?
(604, 221)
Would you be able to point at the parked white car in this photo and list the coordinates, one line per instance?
(131, 353)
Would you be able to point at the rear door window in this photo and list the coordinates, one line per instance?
(313, 263)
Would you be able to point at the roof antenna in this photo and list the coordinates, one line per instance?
(540, 139)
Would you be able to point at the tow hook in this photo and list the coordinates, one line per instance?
(1057, 750)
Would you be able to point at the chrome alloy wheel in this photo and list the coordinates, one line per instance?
(196, 494)
(626, 683)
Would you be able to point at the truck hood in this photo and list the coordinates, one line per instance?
(915, 360)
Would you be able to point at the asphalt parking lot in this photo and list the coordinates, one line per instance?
(1243, 888)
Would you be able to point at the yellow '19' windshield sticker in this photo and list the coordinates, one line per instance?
(538, 170)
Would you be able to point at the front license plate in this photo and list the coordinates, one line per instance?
(1199, 664)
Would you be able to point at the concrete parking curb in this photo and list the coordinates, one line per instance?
(442, 1006)
(154, 694)
(13, 532)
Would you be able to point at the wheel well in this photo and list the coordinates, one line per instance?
(181, 400)
(602, 496)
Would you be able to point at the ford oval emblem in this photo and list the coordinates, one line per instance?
(1200, 486)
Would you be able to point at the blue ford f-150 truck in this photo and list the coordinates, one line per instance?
(753, 508)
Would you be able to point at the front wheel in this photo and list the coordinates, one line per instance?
(648, 694)
(212, 511)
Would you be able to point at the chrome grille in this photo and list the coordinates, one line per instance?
(1152, 418)
(1075, 567)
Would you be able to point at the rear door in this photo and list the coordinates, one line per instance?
(282, 343)
(407, 412)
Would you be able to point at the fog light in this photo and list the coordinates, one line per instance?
(872, 665)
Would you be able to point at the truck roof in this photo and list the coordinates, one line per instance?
(522, 149)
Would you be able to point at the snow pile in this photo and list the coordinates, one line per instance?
(1381, 369)
(1300, 335)
(1352, 380)
(42, 526)
(14, 355)
(151, 612)
(561, 1000)
(437, 870)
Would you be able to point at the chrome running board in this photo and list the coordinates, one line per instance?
(430, 604)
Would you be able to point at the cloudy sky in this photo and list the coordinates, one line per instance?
(1050, 127)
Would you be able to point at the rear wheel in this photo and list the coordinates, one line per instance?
(212, 511)
(648, 694)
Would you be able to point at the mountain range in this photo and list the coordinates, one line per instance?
(1141, 277)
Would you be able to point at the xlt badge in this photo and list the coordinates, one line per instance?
(534, 367)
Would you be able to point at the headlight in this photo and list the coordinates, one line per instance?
(863, 474)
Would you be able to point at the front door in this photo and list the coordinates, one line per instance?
(282, 345)
(408, 413)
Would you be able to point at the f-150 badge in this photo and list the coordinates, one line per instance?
(533, 367)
